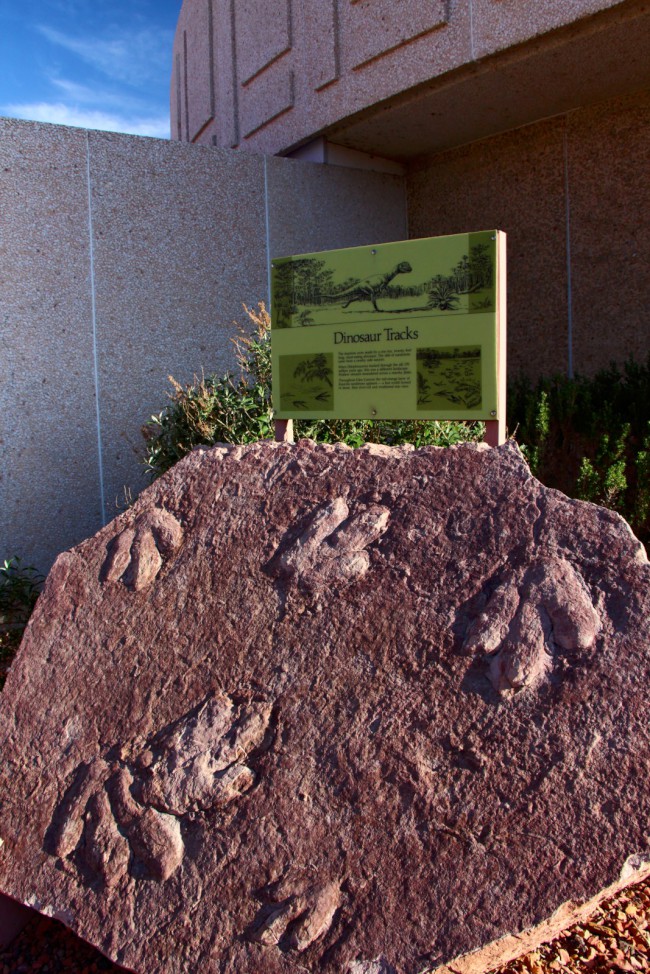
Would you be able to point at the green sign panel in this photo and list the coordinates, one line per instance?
(407, 330)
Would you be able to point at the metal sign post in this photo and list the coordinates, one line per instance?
(284, 430)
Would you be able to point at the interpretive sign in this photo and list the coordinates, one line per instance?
(406, 330)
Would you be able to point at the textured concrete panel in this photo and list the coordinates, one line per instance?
(608, 163)
(266, 97)
(177, 95)
(261, 36)
(314, 207)
(361, 87)
(199, 70)
(179, 245)
(515, 183)
(372, 28)
(224, 131)
(499, 24)
(343, 57)
(324, 24)
(49, 477)
(263, 71)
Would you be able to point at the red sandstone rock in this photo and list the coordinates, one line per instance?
(308, 708)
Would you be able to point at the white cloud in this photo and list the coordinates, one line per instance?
(101, 98)
(133, 57)
(60, 114)
(77, 92)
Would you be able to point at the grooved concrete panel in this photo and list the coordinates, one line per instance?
(199, 84)
(297, 70)
(609, 162)
(256, 49)
(375, 56)
(284, 70)
(49, 484)
(266, 97)
(326, 69)
(514, 183)
(499, 24)
(373, 28)
(176, 94)
(224, 129)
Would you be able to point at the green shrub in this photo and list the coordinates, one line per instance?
(642, 494)
(20, 587)
(590, 437)
(236, 408)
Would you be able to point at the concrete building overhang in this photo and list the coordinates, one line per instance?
(395, 79)
(568, 69)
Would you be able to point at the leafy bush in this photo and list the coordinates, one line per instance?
(236, 408)
(590, 437)
(20, 587)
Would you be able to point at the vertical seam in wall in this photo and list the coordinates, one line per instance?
(569, 281)
(179, 103)
(267, 228)
(93, 308)
(235, 89)
(211, 65)
(187, 93)
(471, 30)
(337, 39)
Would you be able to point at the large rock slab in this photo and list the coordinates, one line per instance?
(309, 708)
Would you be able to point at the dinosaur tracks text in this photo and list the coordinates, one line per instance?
(385, 335)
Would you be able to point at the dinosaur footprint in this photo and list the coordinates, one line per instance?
(137, 554)
(154, 837)
(117, 818)
(106, 832)
(332, 549)
(103, 849)
(531, 615)
(298, 921)
(200, 763)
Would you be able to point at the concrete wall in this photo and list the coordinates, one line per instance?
(123, 260)
(270, 75)
(572, 194)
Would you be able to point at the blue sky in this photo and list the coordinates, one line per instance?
(102, 64)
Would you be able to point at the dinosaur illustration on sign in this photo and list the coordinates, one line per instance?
(315, 289)
(371, 287)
